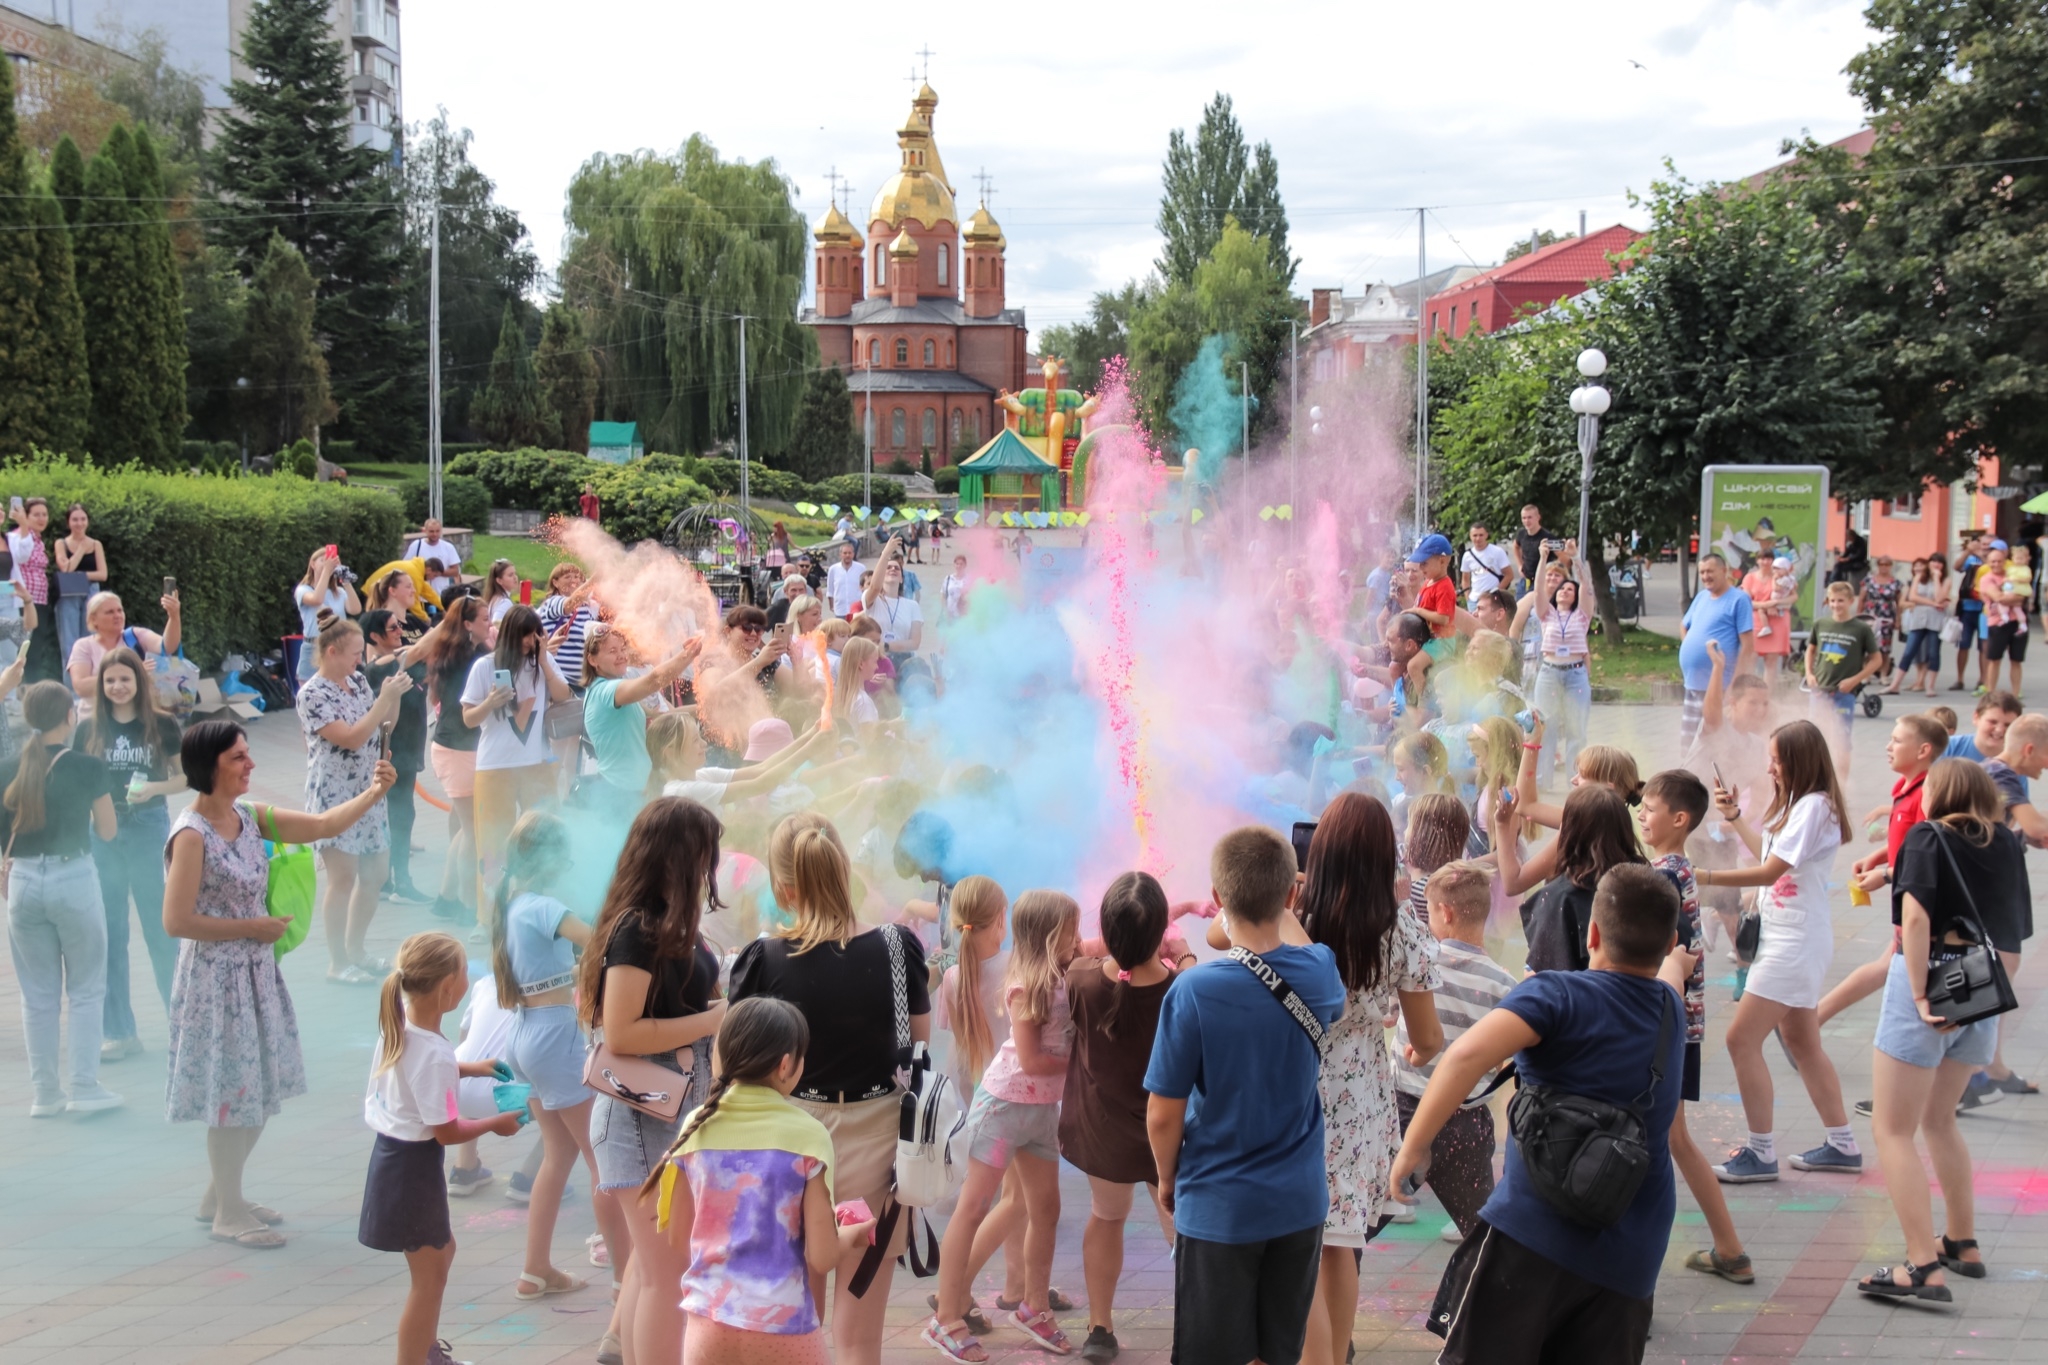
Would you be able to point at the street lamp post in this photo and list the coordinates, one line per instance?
(1590, 401)
(242, 411)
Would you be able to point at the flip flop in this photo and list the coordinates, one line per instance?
(256, 1239)
(545, 1288)
(263, 1213)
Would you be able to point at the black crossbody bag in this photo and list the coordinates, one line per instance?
(1974, 985)
(1297, 1008)
(1588, 1157)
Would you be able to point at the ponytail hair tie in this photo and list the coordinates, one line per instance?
(1123, 976)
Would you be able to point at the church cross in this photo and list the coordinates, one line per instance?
(925, 54)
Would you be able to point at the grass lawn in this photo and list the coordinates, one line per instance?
(1633, 663)
(533, 558)
(383, 474)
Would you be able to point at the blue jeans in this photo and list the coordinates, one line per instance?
(1565, 697)
(132, 864)
(57, 933)
(1922, 647)
(70, 625)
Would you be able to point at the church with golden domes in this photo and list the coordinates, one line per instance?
(913, 311)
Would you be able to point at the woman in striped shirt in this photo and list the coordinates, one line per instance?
(1563, 691)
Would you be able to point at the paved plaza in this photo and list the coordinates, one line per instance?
(102, 1260)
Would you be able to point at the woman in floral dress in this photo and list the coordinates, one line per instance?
(1881, 608)
(1351, 903)
(234, 1056)
(341, 718)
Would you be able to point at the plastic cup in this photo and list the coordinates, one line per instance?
(511, 1096)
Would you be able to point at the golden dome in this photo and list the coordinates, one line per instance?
(904, 247)
(919, 188)
(926, 97)
(835, 231)
(982, 230)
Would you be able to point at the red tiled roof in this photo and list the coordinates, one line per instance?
(1574, 261)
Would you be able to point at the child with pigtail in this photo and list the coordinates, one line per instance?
(411, 1103)
(745, 1194)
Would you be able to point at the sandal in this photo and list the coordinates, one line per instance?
(1885, 1285)
(977, 1321)
(1055, 1302)
(2013, 1084)
(1952, 1257)
(351, 976)
(263, 1214)
(954, 1342)
(256, 1239)
(1043, 1330)
(544, 1287)
(1736, 1269)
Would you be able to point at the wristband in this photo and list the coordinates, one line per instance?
(1532, 748)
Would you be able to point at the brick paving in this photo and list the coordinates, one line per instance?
(102, 1261)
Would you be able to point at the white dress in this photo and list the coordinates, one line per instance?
(1798, 939)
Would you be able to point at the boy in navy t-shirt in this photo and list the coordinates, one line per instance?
(1529, 1284)
(1236, 1122)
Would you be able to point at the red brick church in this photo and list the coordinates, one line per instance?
(914, 311)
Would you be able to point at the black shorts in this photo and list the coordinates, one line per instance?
(2008, 641)
(1502, 1304)
(1238, 1302)
(405, 1197)
(1689, 1090)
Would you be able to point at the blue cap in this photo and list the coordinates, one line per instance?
(1998, 544)
(1429, 547)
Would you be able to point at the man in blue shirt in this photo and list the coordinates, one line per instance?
(1530, 1284)
(1720, 612)
(1236, 1120)
(1985, 740)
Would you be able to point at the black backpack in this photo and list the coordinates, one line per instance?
(1585, 1156)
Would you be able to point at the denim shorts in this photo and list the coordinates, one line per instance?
(998, 1129)
(628, 1143)
(546, 1051)
(1904, 1035)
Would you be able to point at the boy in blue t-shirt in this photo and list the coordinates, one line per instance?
(1236, 1121)
(1529, 1284)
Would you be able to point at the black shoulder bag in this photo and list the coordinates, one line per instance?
(1974, 985)
(1297, 1008)
(1585, 1156)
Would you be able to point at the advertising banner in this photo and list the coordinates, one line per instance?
(1747, 511)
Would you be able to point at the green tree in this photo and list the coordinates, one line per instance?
(286, 163)
(825, 440)
(157, 268)
(288, 387)
(39, 377)
(664, 252)
(1215, 177)
(121, 312)
(67, 177)
(216, 300)
(1536, 241)
(168, 100)
(567, 374)
(487, 260)
(61, 321)
(1943, 226)
(508, 410)
(1087, 346)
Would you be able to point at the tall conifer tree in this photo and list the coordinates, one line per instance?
(40, 374)
(157, 266)
(119, 318)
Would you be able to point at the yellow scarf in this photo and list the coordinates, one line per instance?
(749, 1118)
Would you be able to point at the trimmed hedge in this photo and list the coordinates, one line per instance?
(846, 490)
(547, 481)
(237, 546)
(464, 501)
(946, 478)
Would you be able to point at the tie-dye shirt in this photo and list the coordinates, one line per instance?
(747, 1167)
(411, 1098)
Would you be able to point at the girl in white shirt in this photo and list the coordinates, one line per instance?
(515, 768)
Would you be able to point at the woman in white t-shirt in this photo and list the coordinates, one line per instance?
(505, 701)
(321, 588)
(501, 589)
(1800, 833)
(899, 615)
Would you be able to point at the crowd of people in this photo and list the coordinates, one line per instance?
(718, 922)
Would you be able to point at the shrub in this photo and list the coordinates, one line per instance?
(464, 501)
(946, 478)
(340, 452)
(547, 481)
(236, 546)
(846, 490)
(901, 467)
(636, 500)
(636, 504)
(722, 476)
(299, 459)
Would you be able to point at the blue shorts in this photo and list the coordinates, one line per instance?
(546, 1051)
(1904, 1035)
(999, 1129)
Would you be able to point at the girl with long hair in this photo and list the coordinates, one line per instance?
(1351, 904)
(1800, 831)
(534, 940)
(77, 552)
(852, 707)
(1015, 1115)
(650, 984)
(843, 975)
(745, 1195)
(323, 588)
(1599, 765)
(234, 1054)
(1928, 597)
(449, 653)
(1421, 765)
(1596, 833)
(342, 719)
(1439, 828)
(411, 1107)
(505, 699)
(136, 741)
(397, 593)
(54, 802)
(613, 716)
(501, 591)
(1564, 691)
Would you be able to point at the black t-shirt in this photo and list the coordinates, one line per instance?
(1994, 879)
(847, 996)
(1554, 922)
(129, 752)
(778, 611)
(74, 782)
(409, 736)
(1530, 546)
(449, 731)
(676, 993)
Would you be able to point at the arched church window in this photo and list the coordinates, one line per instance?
(931, 426)
(931, 355)
(956, 426)
(945, 256)
(896, 429)
(902, 351)
(881, 266)
(949, 355)
(874, 353)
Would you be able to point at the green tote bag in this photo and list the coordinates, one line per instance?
(290, 892)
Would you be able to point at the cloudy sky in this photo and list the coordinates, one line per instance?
(1502, 115)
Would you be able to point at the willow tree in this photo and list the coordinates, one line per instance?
(665, 253)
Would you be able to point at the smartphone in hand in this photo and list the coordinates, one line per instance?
(502, 677)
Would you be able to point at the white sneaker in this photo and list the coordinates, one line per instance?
(1398, 1212)
(43, 1109)
(1451, 1234)
(93, 1104)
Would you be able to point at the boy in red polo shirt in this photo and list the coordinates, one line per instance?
(1438, 603)
(1916, 743)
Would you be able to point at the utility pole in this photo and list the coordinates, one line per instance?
(1293, 409)
(1244, 395)
(1422, 340)
(434, 369)
(867, 440)
(746, 529)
